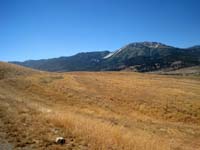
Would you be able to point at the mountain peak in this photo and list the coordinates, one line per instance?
(138, 56)
(148, 44)
(145, 44)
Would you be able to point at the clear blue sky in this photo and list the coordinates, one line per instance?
(34, 29)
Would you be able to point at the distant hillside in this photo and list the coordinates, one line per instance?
(139, 56)
(150, 56)
(195, 70)
(89, 61)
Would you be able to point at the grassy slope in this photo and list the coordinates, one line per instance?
(195, 70)
(105, 110)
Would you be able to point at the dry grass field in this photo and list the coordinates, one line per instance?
(98, 110)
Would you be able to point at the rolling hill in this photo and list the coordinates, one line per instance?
(80, 62)
(98, 110)
(139, 56)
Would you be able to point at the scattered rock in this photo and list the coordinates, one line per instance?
(60, 140)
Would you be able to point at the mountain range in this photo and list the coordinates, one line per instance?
(137, 56)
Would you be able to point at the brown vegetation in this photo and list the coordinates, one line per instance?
(102, 110)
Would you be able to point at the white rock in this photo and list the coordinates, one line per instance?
(60, 140)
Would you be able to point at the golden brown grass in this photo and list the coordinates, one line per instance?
(112, 110)
(102, 136)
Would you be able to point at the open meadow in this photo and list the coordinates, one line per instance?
(98, 110)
